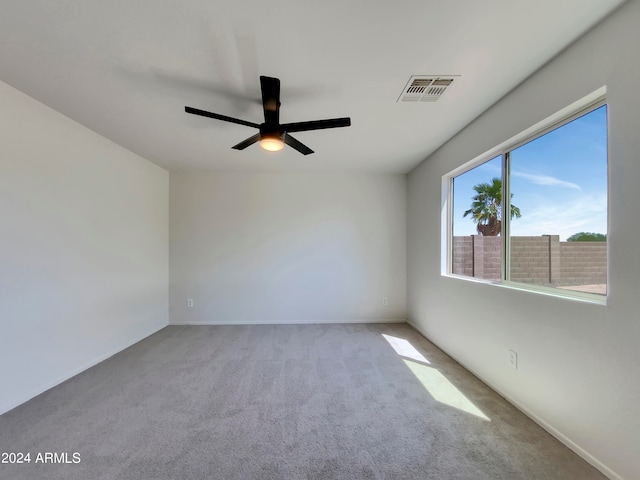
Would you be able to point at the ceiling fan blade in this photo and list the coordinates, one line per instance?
(316, 125)
(299, 146)
(217, 116)
(249, 141)
(270, 99)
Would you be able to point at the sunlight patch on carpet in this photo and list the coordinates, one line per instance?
(404, 348)
(443, 390)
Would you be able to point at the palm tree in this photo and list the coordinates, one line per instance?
(486, 208)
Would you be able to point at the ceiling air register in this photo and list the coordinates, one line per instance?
(425, 88)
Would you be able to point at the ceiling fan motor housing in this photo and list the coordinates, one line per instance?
(271, 131)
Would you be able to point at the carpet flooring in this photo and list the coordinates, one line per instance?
(319, 402)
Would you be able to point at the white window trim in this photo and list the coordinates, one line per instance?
(576, 109)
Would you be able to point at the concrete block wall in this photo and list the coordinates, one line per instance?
(487, 259)
(530, 260)
(463, 255)
(583, 263)
(539, 260)
(477, 256)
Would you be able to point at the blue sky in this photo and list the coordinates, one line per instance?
(559, 181)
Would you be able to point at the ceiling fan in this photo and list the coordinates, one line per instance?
(272, 134)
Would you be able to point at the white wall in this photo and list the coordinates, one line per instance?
(83, 247)
(579, 363)
(283, 248)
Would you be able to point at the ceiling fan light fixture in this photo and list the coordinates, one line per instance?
(271, 143)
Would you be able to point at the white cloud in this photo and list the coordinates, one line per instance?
(586, 214)
(546, 180)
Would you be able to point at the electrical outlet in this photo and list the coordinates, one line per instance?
(385, 301)
(190, 302)
(513, 359)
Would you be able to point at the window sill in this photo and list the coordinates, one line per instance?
(585, 297)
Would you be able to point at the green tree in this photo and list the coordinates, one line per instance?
(587, 237)
(486, 208)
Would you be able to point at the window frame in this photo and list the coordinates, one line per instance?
(568, 114)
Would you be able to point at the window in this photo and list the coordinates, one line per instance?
(477, 204)
(552, 182)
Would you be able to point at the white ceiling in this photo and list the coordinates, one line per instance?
(126, 69)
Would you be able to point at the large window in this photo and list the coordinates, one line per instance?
(533, 213)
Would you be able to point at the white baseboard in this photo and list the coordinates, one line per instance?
(533, 416)
(37, 391)
(295, 322)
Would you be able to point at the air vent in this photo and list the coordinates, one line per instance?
(426, 88)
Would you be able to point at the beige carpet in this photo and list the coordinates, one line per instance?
(282, 402)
